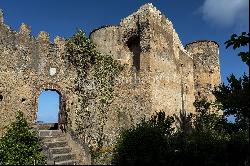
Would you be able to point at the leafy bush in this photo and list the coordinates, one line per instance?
(20, 145)
(207, 143)
(147, 143)
(210, 143)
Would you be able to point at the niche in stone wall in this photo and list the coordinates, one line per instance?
(134, 47)
(1, 97)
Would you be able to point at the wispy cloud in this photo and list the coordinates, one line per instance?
(226, 13)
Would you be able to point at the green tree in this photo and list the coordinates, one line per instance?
(20, 145)
(234, 97)
(209, 142)
(239, 41)
(147, 143)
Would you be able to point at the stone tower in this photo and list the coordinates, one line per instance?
(173, 76)
(206, 67)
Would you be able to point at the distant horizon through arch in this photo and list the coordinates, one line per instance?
(48, 106)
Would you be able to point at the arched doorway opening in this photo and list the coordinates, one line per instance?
(49, 108)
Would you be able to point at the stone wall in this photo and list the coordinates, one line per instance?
(28, 66)
(159, 74)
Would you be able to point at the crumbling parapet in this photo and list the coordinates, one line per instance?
(25, 30)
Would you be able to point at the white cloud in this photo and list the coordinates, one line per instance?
(226, 12)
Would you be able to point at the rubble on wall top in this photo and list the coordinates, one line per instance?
(203, 41)
(43, 36)
(143, 9)
(25, 29)
(102, 27)
(148, 6)
(59, 40)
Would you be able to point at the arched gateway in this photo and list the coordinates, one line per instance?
(62, 119)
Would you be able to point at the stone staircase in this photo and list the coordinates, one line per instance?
(56, 148)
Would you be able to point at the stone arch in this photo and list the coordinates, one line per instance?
(62, 103)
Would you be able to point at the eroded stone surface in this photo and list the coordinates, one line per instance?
(170, 77)
(160, 74)
(25, 70)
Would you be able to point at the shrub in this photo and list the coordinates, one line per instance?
(147, 143)
(20, 145)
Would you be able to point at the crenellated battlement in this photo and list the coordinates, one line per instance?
(22, 52)
(25, 32)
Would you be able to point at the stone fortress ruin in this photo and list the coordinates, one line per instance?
(160, 75)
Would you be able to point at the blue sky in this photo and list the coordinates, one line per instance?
(48, 107)
(193, 20)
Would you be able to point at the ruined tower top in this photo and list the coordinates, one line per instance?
(207, 48)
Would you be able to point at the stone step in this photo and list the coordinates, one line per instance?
(56, 147)
(68, 162)
(45, 133)
(63, 157)
(60, 150)
(52, 138)
(55, 144)
(47, 126)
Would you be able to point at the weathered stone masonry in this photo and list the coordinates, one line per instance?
(160, 74)
(29, 65)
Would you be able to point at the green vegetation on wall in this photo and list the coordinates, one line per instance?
(95, 86)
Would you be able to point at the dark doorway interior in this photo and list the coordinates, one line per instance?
(134, 46)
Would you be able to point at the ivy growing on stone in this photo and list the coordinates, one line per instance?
(94, 86)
